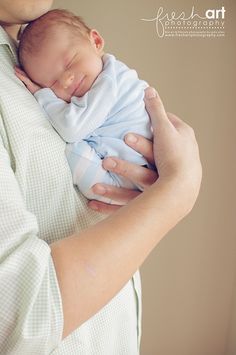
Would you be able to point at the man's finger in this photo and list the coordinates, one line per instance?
(103, 207)
(155, 108)
(180, 125)
(174, 119)
(139, 175)
(119, 194)
(142, 145)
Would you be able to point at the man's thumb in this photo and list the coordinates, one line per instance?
(154, 107)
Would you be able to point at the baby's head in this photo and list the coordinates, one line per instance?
(59, 51)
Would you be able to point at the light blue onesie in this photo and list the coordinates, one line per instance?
(94, 125)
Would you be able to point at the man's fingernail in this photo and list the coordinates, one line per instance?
(150, 93)
(99, 189)
(110, 163)
(130, 138)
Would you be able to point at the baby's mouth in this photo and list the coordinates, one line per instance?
(77, 87)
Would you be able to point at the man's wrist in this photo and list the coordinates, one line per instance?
(177, 189)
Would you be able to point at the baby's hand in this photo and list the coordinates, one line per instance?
(31, 86)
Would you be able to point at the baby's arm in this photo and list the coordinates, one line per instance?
(77, 119)
(31, 86)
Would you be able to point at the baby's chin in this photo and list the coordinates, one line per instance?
(63, 97)
(68, 99)
(83, 88)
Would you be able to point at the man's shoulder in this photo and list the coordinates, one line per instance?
(8, 49)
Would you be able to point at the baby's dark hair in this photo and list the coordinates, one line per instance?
(37, 31)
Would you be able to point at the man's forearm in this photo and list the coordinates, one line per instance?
(101, 259)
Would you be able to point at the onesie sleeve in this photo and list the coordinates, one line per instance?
(31, 316)
(79, 118)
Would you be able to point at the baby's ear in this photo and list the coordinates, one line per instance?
(97, 40)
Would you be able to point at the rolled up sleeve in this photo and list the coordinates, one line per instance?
(31, 316)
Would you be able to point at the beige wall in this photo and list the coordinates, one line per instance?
(188, 280)
(231, 340)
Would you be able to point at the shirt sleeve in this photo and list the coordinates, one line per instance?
(76, 120)
(31, 316)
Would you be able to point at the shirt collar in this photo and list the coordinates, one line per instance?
(6, 39)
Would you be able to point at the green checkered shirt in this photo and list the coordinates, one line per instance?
(39, 205)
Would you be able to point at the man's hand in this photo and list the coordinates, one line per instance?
(139, 175)
(31, 86)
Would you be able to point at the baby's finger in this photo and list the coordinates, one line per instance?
(24, 79)
(20, 75)
(20, 71)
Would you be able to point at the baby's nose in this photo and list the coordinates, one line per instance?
(67, 80)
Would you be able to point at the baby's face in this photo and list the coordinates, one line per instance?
(66, 64)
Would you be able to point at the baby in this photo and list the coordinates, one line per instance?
(91, 99)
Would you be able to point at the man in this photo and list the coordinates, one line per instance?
(61, 274)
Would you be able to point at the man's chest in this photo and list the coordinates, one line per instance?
(38, 161)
